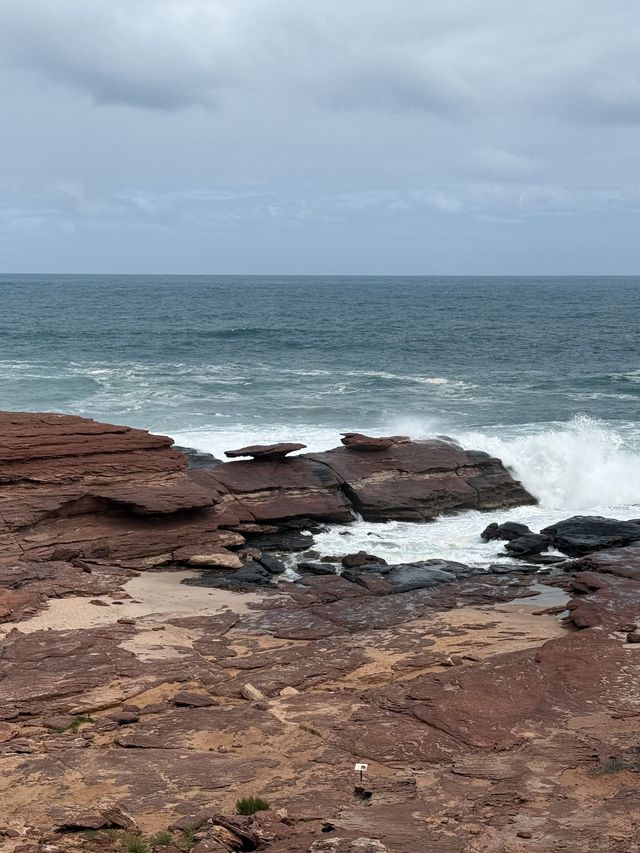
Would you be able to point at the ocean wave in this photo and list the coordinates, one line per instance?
(629, 376)
(400, 377)
(577, 466)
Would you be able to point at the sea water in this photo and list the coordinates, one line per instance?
(542, 372)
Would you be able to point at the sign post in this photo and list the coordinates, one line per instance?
(361, 768)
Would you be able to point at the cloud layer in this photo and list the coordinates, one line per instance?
(278, 135)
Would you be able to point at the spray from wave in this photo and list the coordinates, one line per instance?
(579, 466)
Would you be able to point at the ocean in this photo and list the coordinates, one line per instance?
(542, 372)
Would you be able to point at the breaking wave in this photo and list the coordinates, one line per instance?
(577, 466)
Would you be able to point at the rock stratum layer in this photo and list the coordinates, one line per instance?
(498, 711)
(72, 488)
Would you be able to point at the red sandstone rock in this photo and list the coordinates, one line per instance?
(76, 488)
(421, 480)
(269, 491)
(365, 443)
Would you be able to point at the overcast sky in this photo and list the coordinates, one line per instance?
(320, 136)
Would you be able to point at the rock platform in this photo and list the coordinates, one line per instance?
(496, 710)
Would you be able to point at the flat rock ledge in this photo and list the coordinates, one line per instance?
(495, 710)
(74, 489)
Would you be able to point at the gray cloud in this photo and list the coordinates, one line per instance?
(216, 134)
(392, 55)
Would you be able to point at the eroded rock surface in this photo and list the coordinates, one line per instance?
(422, 479)
(491, 718)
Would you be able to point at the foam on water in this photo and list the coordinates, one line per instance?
(583, 466)
(221, 362)
(575, 467)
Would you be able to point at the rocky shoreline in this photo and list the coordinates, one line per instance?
(156, 668)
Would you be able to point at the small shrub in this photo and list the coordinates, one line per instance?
(135, 844)
(613, 764)
(74, 725)
(161, 839)
(251, 805)
(189, 835)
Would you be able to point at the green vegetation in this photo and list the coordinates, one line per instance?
(75, 725)
(189, 835)
(135, 844)
(161, 839)
(251, 805)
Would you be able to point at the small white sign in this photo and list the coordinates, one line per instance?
(361, 768)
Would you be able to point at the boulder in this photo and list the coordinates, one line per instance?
(366, 443)
(214, 557)
(527, 545)
(421, 480)
(272, 564)
(509, 530)
(266, 452)
(580, 534)
(352, 561)
(316, 568)
(187, 699)
(405, 577)
(116, 815)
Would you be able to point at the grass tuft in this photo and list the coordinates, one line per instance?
(251, 805)
(135, 844)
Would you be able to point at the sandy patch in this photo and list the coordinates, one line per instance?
(155, 596)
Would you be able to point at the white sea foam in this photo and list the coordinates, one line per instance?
(574, 467)
(583, 466)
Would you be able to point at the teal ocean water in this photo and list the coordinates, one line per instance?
(545, 372)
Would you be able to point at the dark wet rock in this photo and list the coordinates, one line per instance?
(424, 575)
(361, 558)
(527, 545)
(251, 575)
(633, 637)
(546, 559)
(265, 452)
(272, 564)
(507, 531)
(285, 541)
(509, 569)
(580, 535)
(198, 458)
(405, 577)
(316, 568)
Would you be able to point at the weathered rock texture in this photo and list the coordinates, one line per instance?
(421, 480)
(485, 728)
(71, 488)
(488, 723)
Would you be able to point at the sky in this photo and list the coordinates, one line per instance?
(320, 136)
